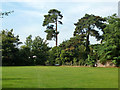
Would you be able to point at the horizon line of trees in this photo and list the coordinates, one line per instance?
(75, 51)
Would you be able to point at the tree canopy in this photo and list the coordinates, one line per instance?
(110, 49)
(87, 26)
(10, 49)
(75, 51)
(51, 21)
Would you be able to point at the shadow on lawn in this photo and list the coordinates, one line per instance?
(14, 78)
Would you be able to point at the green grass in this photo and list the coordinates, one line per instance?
(59, 77)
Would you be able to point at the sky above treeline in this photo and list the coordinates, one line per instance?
(28, 15)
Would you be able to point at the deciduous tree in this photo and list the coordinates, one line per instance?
(110, 49)
(10, 49)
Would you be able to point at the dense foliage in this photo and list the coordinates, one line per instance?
(110, 48)
(87, 26)
(34, 52)
(75, 51)
(10, 49)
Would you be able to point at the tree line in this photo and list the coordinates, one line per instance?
(75, 51)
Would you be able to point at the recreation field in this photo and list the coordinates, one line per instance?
(59, 77)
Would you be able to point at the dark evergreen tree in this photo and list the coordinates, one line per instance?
(51, 21)
(87, 26)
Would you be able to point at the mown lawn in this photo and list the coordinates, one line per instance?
(59, 77)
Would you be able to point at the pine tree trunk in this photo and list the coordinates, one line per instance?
(56, 33)
(87, 43)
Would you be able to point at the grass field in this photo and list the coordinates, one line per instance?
(59, 77)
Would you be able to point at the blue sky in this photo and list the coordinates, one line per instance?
(28, 16)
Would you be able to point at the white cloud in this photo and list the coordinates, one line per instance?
(34, 30)
(31, 13)
(36, 5)
(101, 10)
(78, 9)
(59, 0)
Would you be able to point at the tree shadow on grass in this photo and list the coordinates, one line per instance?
(13, 78)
